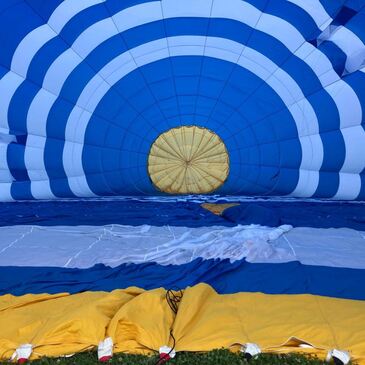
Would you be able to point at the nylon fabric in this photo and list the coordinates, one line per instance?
(297, 214)
(268, 320)
(115, 245)
(226, 278)
(88, 88)
(182, 212)
(140, 322)
(188, 160)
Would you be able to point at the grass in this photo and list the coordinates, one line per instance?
(218, 357)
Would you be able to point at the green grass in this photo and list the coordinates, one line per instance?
(218, 357)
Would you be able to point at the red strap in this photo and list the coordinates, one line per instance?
(164, 358)
(105, 358)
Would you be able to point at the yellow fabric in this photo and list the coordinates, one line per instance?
(143, 324)
(140, 322)
(188, 160)
(218, 209)
(278, 323)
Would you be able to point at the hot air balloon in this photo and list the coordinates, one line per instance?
(91, 88)
(189, 100)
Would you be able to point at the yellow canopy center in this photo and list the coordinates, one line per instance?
(188, 160)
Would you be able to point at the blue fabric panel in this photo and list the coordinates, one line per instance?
(298, 214)
(223, 276)
(185, 214)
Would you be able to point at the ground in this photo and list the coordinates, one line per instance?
(219, 357)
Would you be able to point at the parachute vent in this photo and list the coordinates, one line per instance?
(188, 160)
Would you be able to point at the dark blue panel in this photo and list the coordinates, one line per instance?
(335, 55)
(328, 184)
(44, 58)
(335, 152)
(25, 19)
(19, 106)
(333, 6)
(328, 117)
(224, 277)
(286, 181)
(44, 8)
(15, 158)
(20, 190)
(361, 195)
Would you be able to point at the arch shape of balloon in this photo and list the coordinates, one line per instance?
(88, 86)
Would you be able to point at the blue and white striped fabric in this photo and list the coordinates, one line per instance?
(58, 247)
(345, 45)
(86, 87)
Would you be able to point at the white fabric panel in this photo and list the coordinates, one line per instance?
(41, 190)
(87, 93)
(8, 85)
(28, 47)
(347, 102)
(304, 116)
(67, 10)
(349, 186)
(38, 112)
(114, 65)
(5, 137)
(312, 146)
(34, 149)
(286, 88)
(237, 10)
(341, 247)
(138, 15)
(36, 165)
(187, 8)
(123, 70)
(5, 192)
(75, 149)
(72, 152)
(307, 183)
(5, 175)
(316, 10)
(351, 45)
(113, 245)
(355, 149)
(221, 44)
(143, 56)
(93, 36)
(356, 61)
(281, 30)
(78, 184)
(59, 71)
(318, 62)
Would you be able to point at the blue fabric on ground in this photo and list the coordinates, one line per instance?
(186, 214)
(104, 212)
(252, 213)
(299, 214)
(225, 277)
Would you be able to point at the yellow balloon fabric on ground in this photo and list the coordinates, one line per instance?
(188, 160)
(140, 321)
